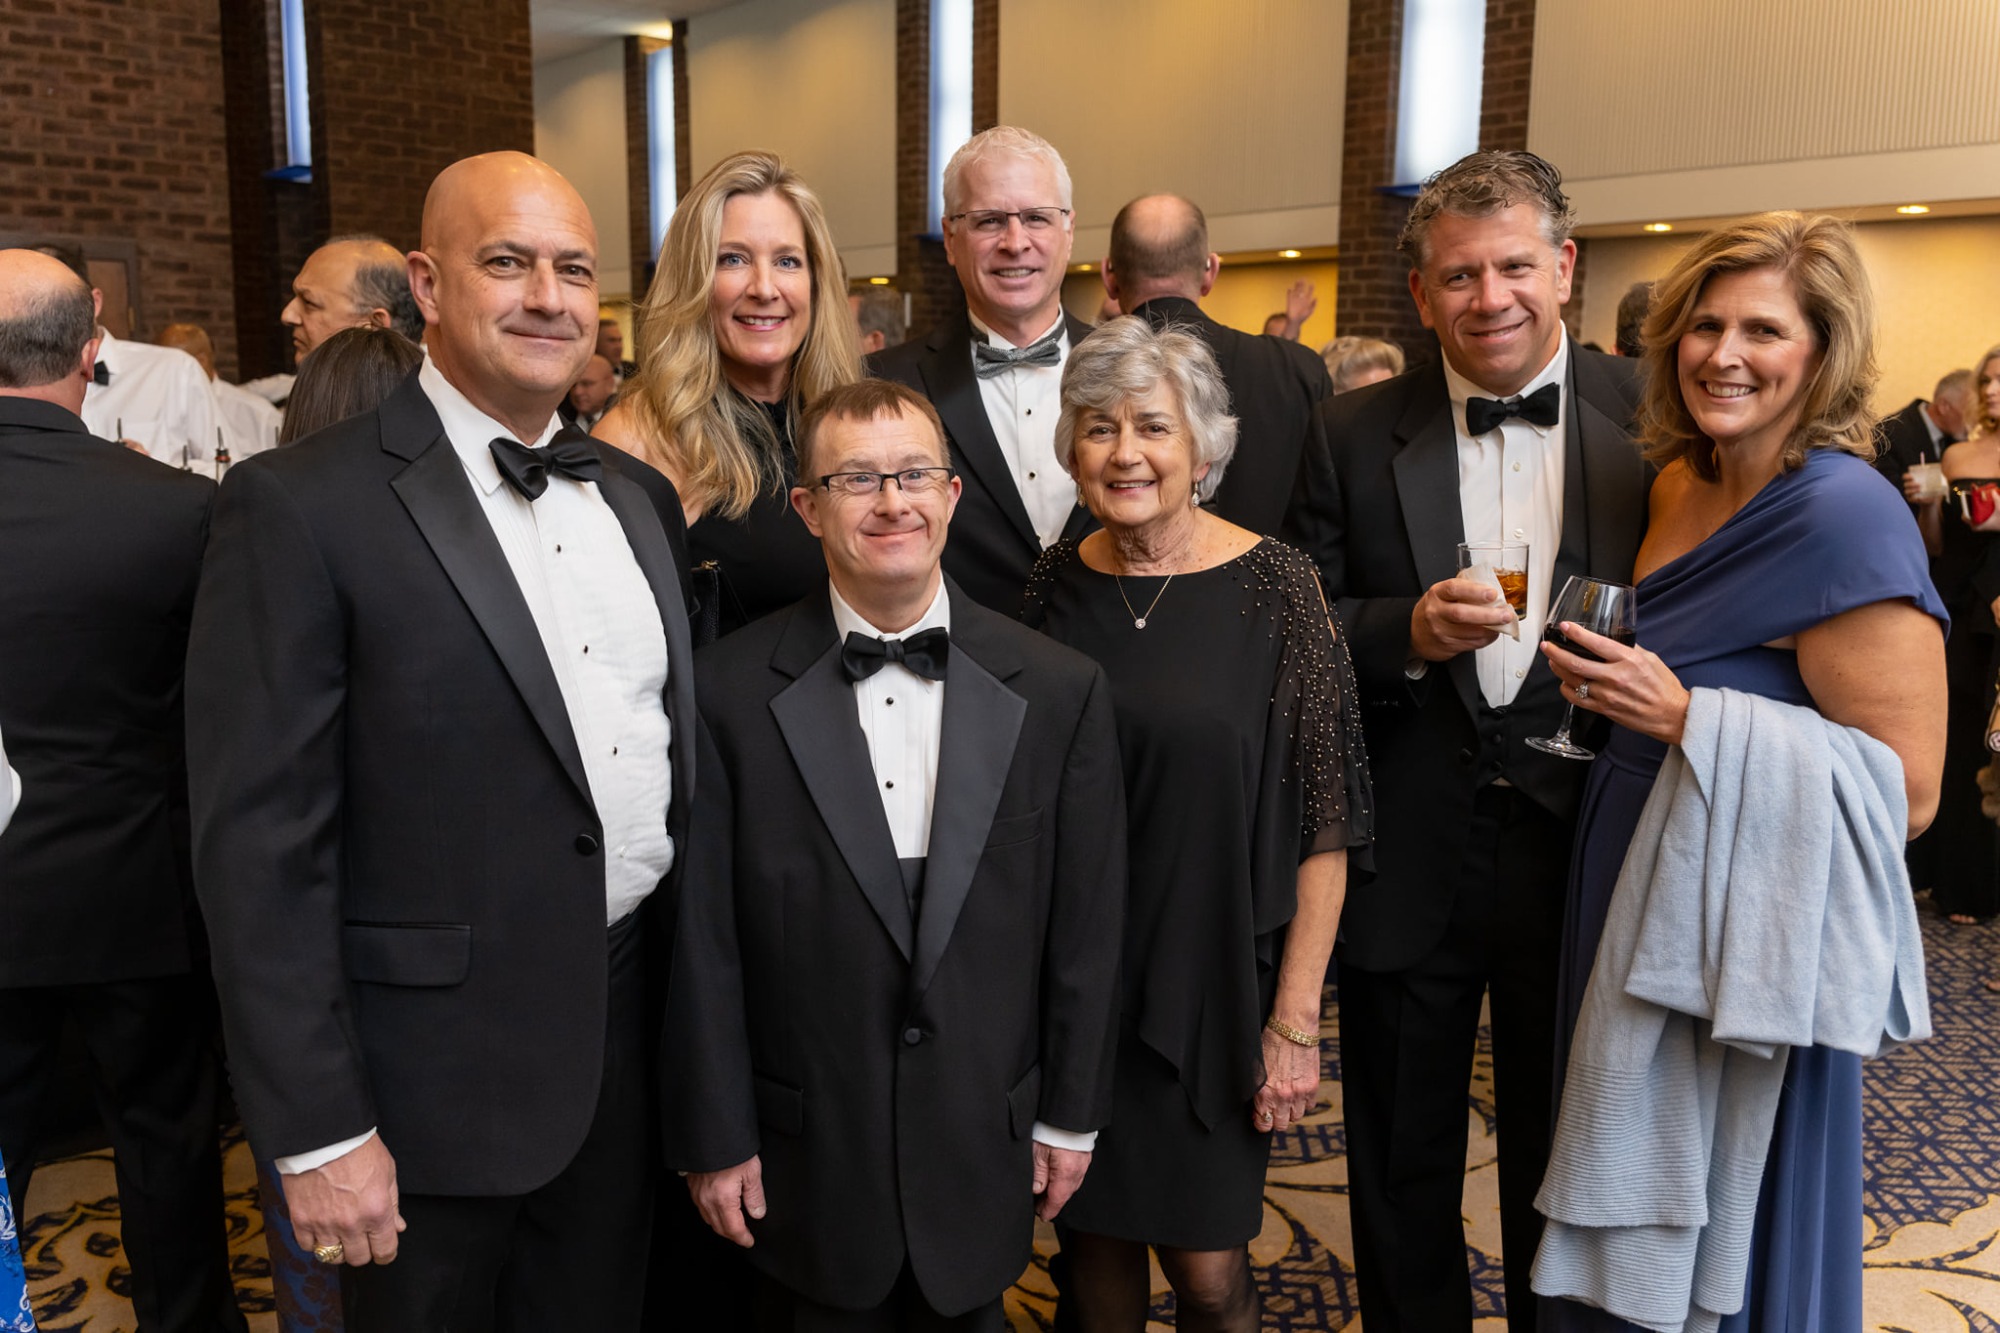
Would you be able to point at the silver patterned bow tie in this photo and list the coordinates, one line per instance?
(989, 360)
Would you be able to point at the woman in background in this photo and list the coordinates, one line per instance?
(1354, 361)
(746, 322)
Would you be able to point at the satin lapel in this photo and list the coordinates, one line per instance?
(954, 392)
(1614, 473)
(1426, 471)
(1081, 522)
(1573, 551)
(816, 715)
(648, 541)
(982, 722)
(440, 499)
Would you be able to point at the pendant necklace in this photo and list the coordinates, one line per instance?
(1139, 621)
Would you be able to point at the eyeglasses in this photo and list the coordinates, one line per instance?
(993, 221)
(910, 481)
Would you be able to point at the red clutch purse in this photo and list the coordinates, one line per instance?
(1980, 504)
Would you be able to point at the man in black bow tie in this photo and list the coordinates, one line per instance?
(441, 738)
(994, 370)
(889, 1032)
(1515, 434)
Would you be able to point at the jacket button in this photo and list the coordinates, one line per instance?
(586, 845)
(912, 1036)
(1465, 757)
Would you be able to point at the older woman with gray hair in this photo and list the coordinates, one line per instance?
(1247, 789)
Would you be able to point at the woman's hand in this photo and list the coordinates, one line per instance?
(1631, 686)
(1291, 1082)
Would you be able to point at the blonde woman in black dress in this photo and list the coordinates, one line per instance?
(1247, 787)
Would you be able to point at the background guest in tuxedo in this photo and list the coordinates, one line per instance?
(1159, 267)
(439, 747)
(1632, 308)
(1920, 433)
(98, 927)
(349, 374)
(1355, 362)
(890, 1028)
(611, 346)
(1515, 434)
(1234, 699)
(746, 323)
(591, 396)
(994, 372)
(878, 317)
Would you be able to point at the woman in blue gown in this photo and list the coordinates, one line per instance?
(1776, 562)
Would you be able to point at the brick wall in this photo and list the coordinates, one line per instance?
(116, 131)
(400, 92)
(1510, 59)
(985, 64)
(1374, 280)
(921, 270)
(639, 162)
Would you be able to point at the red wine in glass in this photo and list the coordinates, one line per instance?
(1603, 608)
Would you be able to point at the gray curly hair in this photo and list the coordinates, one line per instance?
(1127, 358)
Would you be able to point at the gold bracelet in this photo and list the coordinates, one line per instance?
(1290, 1033)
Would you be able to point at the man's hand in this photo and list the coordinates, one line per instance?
(1300, 302)
(1457, 616)
(1058, 1171)
(725, 1196)
(350, 1202)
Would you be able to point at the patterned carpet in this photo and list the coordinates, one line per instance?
(1933, 1196)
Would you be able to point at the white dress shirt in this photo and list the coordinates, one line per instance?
(249, 423)
(902, 717)
(600, 626)
(1510, 488)
(1022, 403)
(158, 396)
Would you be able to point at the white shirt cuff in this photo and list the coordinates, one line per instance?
(298, 1163)
(1069, 1139)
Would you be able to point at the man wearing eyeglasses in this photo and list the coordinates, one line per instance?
(994, 372)
(894, 988)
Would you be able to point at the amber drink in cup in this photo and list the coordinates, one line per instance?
(1501, 564)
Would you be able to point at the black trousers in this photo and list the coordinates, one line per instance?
(570, 1255)
(1406, 1048)
(153, 1063)
(779, 1309)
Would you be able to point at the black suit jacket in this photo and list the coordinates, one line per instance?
(1274, 385)
(100, 552)
(395, 845)
(1906, 441)
(993, 546)
(1378, 510)
(888, 1070)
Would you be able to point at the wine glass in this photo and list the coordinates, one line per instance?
(1603, 608)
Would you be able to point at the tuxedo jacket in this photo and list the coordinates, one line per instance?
(993, 545)
(1274, 385)
(1378, 510)
(887, 1065)
(100, 553)
(395, 845)
(1905, 441)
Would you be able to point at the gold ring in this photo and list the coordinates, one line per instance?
(330, 1254)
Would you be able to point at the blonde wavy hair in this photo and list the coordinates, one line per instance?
(716, 442)
(1830, 283)
(1979, 423)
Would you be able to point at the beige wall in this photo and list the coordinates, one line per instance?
(1244, 295)
(580, 131)
(1937, 294)
(1237, 106)
(1707, 108)
(815, 82)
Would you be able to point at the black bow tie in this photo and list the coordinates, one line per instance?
(569, 454)
(1543, 407)
(100, 373)
(989, 359)
(863, 654)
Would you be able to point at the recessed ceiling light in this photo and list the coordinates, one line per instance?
(1659, 226)
(1288, 254)
(1912, 210)
(878, 282)
(1083, 268)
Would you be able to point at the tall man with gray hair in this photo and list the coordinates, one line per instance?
(994, 372)
(1515, 434)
